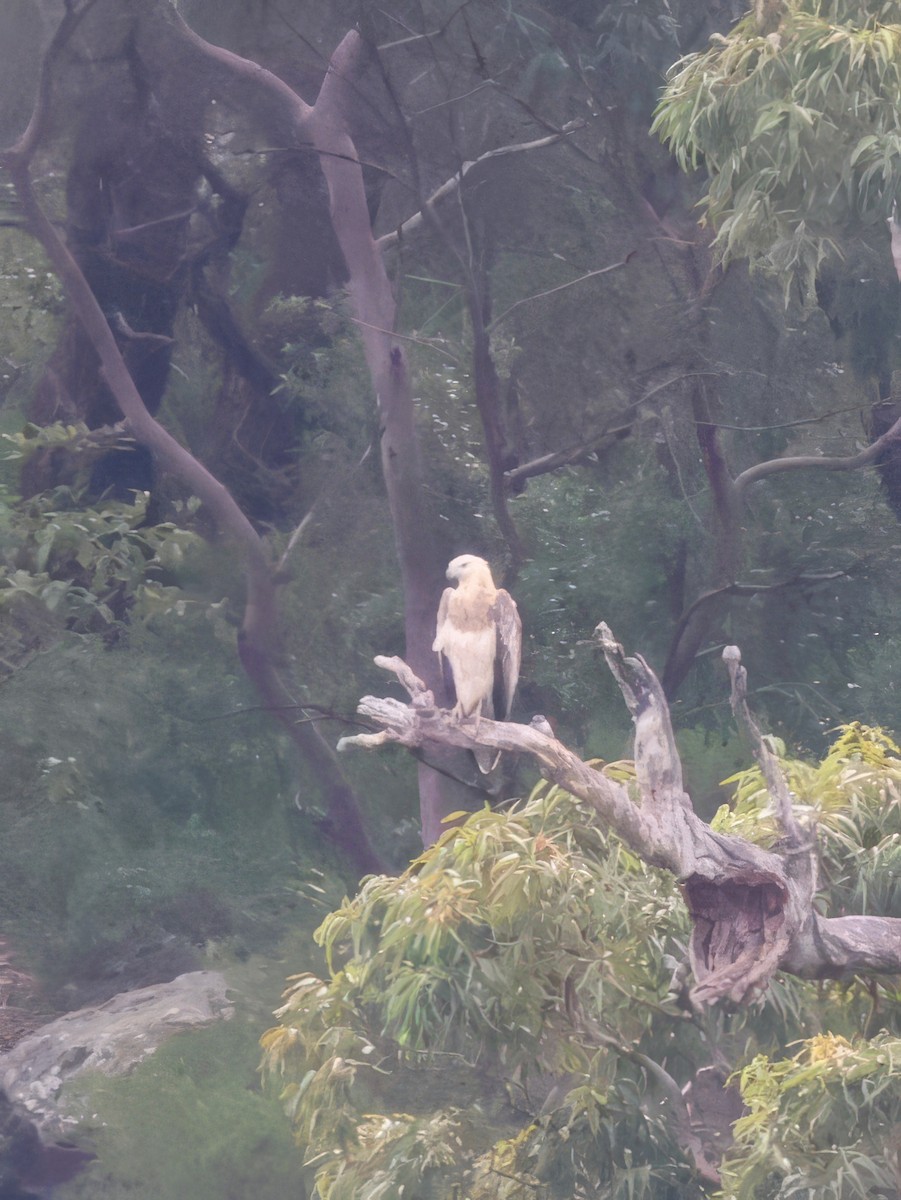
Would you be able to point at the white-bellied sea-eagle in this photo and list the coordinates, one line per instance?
(479, 636)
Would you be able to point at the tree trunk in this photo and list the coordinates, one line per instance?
(258, 641)
(237, 81)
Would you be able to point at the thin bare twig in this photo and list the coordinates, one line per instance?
(387, 240)
(562, 458)
(749, 589)
(428, 343)
(836, 412)
(418, 37)
(774, 777)
(340, 481)
(561, 287)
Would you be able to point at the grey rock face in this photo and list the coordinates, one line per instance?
(112, 1038)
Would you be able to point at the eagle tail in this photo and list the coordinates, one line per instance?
(486, 760)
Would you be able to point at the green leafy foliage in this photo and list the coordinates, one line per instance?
(190, 1121)
(526, 949)
(642, 32)
(145, 809)
(318, 350)
(524, 944)
(586, 566)
(529, 949)
(853, 798)
(31, 301)
(92, 566)
(798, 128)
(822, 1125)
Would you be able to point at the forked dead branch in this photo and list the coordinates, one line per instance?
(752, 909)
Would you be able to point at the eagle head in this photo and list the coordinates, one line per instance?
(467, 566)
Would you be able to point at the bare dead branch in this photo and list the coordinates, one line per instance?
(486, 83)
(675, 666)
(838, 947)
(730, 494)
(589, 445)
(571, 454)
(773, 775)
(817, 420)
(751, 908)
(657, 760)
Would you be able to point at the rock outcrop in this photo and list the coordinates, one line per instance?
(112, 1038)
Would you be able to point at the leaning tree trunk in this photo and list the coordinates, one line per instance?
(419, 547)
(258, 641)
(174, 71)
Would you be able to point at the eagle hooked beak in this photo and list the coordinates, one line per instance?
(458, 565)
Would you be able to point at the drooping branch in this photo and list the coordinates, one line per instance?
(804, 462)
(751, 908)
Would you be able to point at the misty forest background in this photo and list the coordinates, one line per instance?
(595, 386)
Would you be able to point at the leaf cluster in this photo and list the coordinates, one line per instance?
(821, 1125)
(524, 944)
(853, 799)
(91, 565)
(798, 129)
(529, 947)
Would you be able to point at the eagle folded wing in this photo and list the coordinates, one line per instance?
(479, 637)
(508, 652)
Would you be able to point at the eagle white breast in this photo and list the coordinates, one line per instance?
(479, 637)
